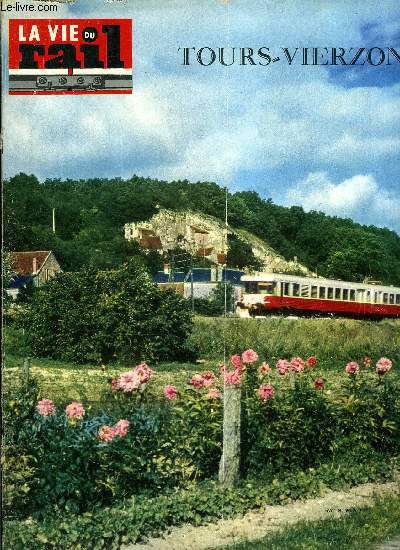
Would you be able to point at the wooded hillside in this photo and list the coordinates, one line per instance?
(90, 215)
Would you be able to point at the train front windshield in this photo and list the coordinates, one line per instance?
(264, 287)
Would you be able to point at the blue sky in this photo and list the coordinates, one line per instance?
(326, 138)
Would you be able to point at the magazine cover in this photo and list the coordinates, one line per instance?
(201, 274)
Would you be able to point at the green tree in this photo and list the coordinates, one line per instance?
(240, 254)
(98, 316)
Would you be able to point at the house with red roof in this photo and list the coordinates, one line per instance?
(36, 267)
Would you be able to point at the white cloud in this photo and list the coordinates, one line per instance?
(212, 123)
(359, 197)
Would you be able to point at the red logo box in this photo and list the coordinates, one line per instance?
(70, 56)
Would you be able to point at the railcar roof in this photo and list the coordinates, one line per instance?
(276, 277)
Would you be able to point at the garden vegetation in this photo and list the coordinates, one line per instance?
(86, 480)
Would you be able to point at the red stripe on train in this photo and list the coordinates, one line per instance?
(330, 306)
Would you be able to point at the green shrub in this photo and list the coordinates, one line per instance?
(140, 517)
(367, 413)
(19, 478)
(97, 316)
(194, 441)
(293, 430)
(19, 465)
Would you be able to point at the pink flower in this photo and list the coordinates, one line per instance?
(352, 367)
(144, 372)
(197, 381)
(208, 378)
(129, 381)
(213, 393)
(114, 384)
(311, 361)
(249, 356)
(236, 361)
(383, 365)
(265, 391)
(75, 410)
(45, 407)
(121, 428)
(283, 366)
(106, 434)
(367, 361)
(319, 383)
(264, 369)
(223, 368)
(170, 392)
(297, 364)
(232, 378)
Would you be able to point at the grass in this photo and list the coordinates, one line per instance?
(332, 340)
(358, 528)
(63, 382)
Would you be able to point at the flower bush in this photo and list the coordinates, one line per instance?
(74, 411)
(293, 418)
(170, 392)
(383, 366)
(45, 407)
(352, 367)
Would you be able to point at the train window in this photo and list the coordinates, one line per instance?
(286, 291)
(296, 289)
(314, 292)
(377, 297)
(368, 296)
(322, 291)
(391, 299)
(385, 298)
(345, 294)
(337, 293)
(352, 295)
(250, 287)
(330, 293)
(305, 291)
(360, 295)
(398, 299)
(266, 288)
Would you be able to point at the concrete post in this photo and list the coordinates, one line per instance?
(230, 459)
(26, 369)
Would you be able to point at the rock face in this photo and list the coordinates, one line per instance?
(203, 236)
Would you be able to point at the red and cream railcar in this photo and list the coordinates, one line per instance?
(279, 293)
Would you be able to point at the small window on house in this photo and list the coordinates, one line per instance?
(345, 294)
(391, 299)
(314, 292)
(385, 298)
(296, 289)
(337, 293)
(330, 293)
(322, 292)
(352, 295)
